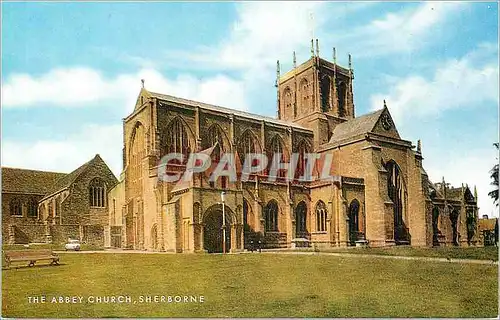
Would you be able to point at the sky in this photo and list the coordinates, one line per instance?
(72, 71)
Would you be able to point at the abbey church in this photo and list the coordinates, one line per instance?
(379, 193)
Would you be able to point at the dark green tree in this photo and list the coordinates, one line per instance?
(494, 176)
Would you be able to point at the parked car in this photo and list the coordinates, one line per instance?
(72, 245)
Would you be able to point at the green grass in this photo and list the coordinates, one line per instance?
(479, 253)
(255, 285)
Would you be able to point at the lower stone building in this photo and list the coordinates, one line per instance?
(50, 207)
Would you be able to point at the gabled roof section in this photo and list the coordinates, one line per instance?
(243, 114)
(379, 122)
(356, 126)
(143, 96)
(67, 180)
(29, 181)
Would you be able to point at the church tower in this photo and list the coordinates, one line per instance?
(316, 94)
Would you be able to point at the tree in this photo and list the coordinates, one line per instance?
(494, 176)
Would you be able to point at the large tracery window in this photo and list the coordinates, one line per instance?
(137, 152)
(397, 193)
(277, 146)
(216, 137)
(97, 193)
(247, 144)
(177, 139)
(271, 216)
(321, 216)
(16, 208)
(302, 150)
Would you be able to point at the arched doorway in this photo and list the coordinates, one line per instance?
(353, 221)
(301, 221)
(212, 234)
(435, 229)
(454, 229)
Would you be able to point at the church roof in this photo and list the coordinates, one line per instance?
(356, 126)
(66, 181)
(212, 107)
(28, 181)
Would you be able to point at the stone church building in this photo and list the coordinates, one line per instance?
(380, 193)
(51, 207)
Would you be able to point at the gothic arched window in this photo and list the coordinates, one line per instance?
(321, 216)
(32, 208)
(277, 146)
(304, 95)
(300, 220)
(97, 193)
(16, 208)
(247, 144)
(341, 96)
(215, 135)
(271, 216)
(287, 99)
(397, 193)
(302, 149)
(325, 93)
(177, 139)
(137, 152)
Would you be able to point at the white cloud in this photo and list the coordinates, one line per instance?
(402, 31)
(82, 87)
(463, 83)
(262, 32)
(68, 154)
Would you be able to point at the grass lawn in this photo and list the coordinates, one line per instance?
(254, 285)
(480, 253)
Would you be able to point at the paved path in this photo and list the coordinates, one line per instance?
(335, 254)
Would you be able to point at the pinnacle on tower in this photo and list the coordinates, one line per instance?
(317, 47)
(475, 193)
(334, 55)
(294, 60)
(277, 73)
(419, 146)
(312, 47)
(142, 83)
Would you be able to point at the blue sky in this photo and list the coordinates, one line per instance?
(71, 71)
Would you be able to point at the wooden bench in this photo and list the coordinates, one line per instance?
(32, 256)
